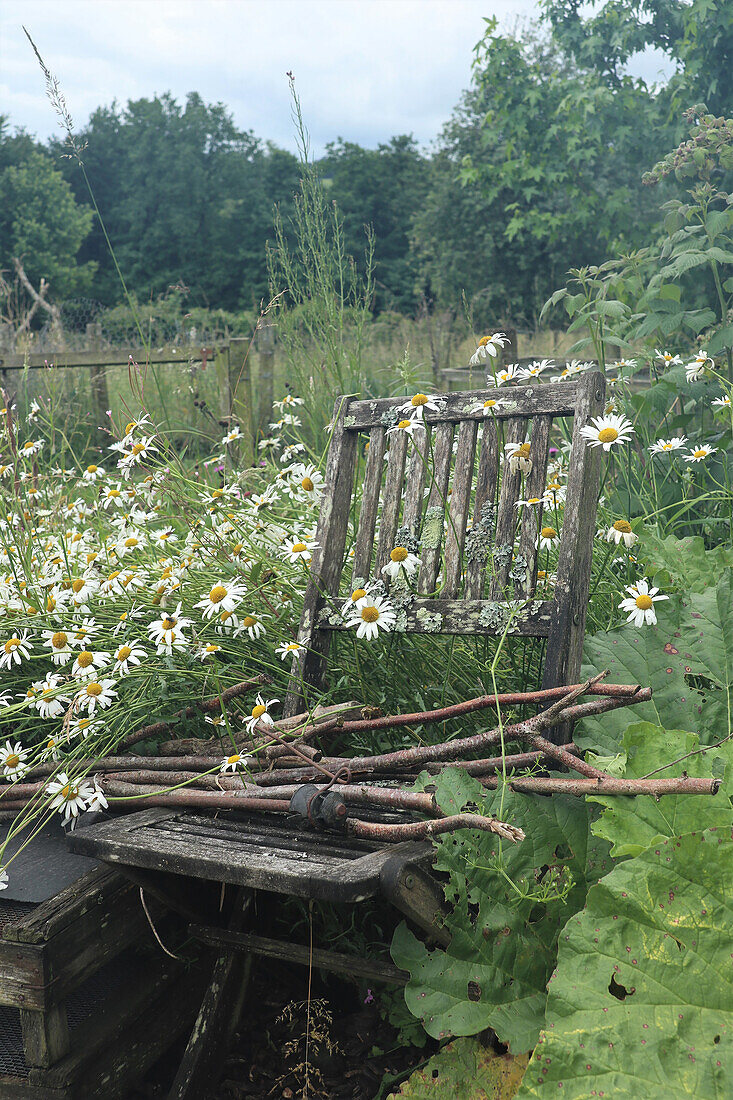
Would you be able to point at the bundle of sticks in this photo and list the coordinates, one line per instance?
(276, 761)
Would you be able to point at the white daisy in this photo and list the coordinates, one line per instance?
(125, 656)
(289, 649)
(417, 405)
(224, 596)
(96, 693)
(58, 642)
(667, 358)
(253, 626)
(619, 531)
(700, 453)
(260, 714)
(298, 549)
(167, 631)
(518, 455)
(372, 616)
(69, 798)
(14, 650)
(93, 473)
(87, 663)
(357, 598)
(236, 760)
(406, 426)
(49, 702)
(490, 406)
(665, 446)
(535, 369)
(3, 879)
(505, 375)
(696, 369)
(13, 760)
(488, 347)
(548, 539)
(605, 431)
(640, 603)
(721, 402)
(232, 436)
(309, 483)
(206, 652)
(96, 801)
(401, 561)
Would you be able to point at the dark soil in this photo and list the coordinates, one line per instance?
(354, 1053)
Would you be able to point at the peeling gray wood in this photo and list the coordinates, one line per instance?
(458, 506)
(433, 522)
(531, 517)
(373, 474)
(391, 499)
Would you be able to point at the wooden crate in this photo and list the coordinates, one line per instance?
(88, 1001)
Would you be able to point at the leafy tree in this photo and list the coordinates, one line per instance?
(539, 168)
(380, 188)
(41, 222)
(696, 34)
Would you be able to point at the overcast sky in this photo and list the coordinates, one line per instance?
(365, 69)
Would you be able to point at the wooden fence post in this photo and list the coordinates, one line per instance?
(98, 377)
(266, 375)
(510, 351)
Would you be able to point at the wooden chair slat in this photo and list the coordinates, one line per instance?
(391, 499)
(506, 516)
(369, 505)
(531, 517)
(415, 483)
(437, 504)
(458, 508)
(486, 485)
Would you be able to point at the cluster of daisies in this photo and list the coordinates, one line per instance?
(133, 571)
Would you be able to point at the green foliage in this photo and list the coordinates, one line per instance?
(647, 821)
(685, 562)
(464, 1070)
(41, 223)
(640, 1003)
(508, 903)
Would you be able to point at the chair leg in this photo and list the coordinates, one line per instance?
(217, 1019)
(45, 1034)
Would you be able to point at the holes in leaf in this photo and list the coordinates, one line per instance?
(716, 1039)
(620, 992)
(474, 991)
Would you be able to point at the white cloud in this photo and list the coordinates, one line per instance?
(365, 69)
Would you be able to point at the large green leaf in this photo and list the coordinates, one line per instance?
(503, 946)
(708, 645)
(633, 824)
(685, 562)
(654, 657)
(464, 1070)
(641, 1003)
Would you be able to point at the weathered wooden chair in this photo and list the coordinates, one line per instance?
(476, 577)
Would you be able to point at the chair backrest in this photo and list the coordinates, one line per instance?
(451, 486)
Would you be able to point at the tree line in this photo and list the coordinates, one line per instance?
(538, 169)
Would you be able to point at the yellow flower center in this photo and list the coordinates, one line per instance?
(234, 759)
(85, 659)
(523, 451)
(94, 689)
(12, 645)
(623, 526)
(418, 400)
(398, 554)
(483, 341)
(549, 533)
(369, 614)
(299, 547)
(607, 435)
(12, 760)
(129, 427)
(258, 711)
(77, 585)
(249, 621)
(168, 624)
(92, 469)
(138, 448)
(699, 454)
(217, 493)
(358, 594)
(31, 610)
(218, 593)
(59, 640)
(237, 549)
(490, 403)
(123, 652)
(114, 493)
(404, 424)
(307, 484)
(132, 541)
(644, 602)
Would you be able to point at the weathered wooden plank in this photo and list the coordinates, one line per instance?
(553, 398)
(23, 975)
(487, 477)
(361, 570)
(378, 970)
(391, 499)
(415, 483)
(203, 1059)
(432, 532)
(458, 506)
(463, 616)
(112, 358)
(45, 1035)
(565, 643)
(308, 666)
(506, 515)
(531, 517)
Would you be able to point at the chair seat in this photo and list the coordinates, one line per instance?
(264, 852)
